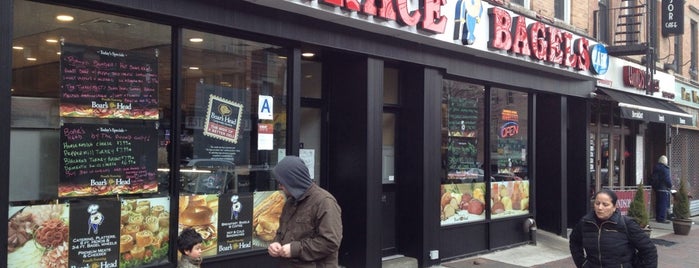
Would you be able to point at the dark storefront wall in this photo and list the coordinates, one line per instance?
(347, 170)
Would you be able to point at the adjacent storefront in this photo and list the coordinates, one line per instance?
(441, 128)
(683, 148)
(629, 127)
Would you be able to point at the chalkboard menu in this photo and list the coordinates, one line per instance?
(107, 159)
(463, 117)
(108, 83)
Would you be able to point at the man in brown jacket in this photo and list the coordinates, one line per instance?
(310, 227)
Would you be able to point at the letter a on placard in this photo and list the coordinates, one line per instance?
(265, 109)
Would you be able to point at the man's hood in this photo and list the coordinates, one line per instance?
(292, 173)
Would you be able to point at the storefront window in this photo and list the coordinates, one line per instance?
(508, 149)
(90, 110)
(463, 185)
(234, 132)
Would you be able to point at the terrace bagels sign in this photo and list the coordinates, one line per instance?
(507, 33)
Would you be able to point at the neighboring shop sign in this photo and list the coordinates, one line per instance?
(476, 24)
(107, 159)
(108, 83)
(672, 17)
(625, 197)
(636, 78)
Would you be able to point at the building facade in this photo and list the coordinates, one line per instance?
(441, 128)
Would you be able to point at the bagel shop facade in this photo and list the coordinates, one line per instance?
(441, 132)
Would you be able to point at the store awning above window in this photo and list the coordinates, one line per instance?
(639, 107)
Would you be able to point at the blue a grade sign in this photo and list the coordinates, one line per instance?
(599, 59)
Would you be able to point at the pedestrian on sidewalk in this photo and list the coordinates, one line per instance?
(605, 238)
(660, 180)
(310, 226)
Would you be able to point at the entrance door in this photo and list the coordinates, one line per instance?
(609, 156)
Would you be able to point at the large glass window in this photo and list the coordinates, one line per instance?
(234, 132)
(463, 185)
(90, 119)
(509, 119)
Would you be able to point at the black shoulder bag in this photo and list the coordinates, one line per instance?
(636, 260)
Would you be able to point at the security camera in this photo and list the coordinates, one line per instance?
(593, 94)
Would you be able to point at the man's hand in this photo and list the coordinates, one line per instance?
(275, 250)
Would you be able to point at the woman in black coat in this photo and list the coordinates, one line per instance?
(605, 238)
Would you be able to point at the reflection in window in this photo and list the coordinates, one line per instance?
(42, 105)
(463, 185)
(508, 149)
(233, 134)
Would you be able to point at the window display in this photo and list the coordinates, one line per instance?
(91, 109)
(463, 186)
(234, 112)
(508, 153)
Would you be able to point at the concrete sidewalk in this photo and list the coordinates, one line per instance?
(552, 251)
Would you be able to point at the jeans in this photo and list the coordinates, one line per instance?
(661, 205)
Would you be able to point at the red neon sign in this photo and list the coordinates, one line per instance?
(428, 17)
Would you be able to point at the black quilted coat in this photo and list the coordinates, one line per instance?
(607, 244)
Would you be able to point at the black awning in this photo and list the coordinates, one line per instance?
(640, 107)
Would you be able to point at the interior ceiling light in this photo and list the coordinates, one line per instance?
(51, 40)
(31, 59)
(308, 54)
(194, 68)
(58, 53)
(65, 18)
(196, 39)
(17, 47)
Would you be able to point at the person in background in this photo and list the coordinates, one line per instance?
(189, 244)
(310, 226)
(662, 185)
(605, 238)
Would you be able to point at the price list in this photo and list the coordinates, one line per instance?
(101, 159)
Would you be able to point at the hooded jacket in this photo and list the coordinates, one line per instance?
(609, 244)
(311, 221)
(662, 173)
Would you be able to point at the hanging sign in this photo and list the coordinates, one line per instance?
(672, 22)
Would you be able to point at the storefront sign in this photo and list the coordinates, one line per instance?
(461, 22)
(427, 17)
(108, 83)
(636, 78)
(107, 160)
(672, 21)
(537, 40)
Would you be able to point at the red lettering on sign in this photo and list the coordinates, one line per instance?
(634, 77)
(537, 40)
(581, 49)
(333, 2)
(407, 17)
(555, 39)
(520, 44)
(569, 58)
(500, 24)
(546, 43)
(386, 10)
(369, 7)
(434, 21)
